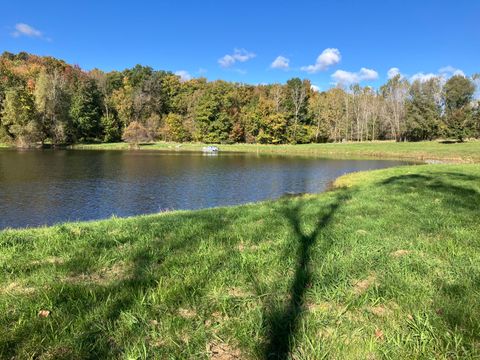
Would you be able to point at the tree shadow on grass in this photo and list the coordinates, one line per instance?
(458, 196)
(89, 308)
(144, 276)
(457, 297)
(283, 323)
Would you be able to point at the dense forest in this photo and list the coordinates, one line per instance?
(44, 100)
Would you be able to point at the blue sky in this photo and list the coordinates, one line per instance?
(325, 41)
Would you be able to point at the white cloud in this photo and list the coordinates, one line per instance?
(280, 62)
(184, 75)
(240, 55)
(347, 77)
(449, 71)
(22, 29)
(443, 74)
(327, 58)
(477, 92)
(368, 74)
(422, 77)
(392, 72)
(315, 88)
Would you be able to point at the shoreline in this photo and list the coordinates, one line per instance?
(458, 153)
(429, 152)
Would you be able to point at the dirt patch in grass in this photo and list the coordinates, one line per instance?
(50, 260)
(238, 292)
(363, 285)
(326, 332)
(324, 306)
(187, 313)
(17, 289)
(223, 351)
(216, 318)
(117, 272)
(157, 343)
(380, 310)
(61, 352)
(400, 253)
(244, 247)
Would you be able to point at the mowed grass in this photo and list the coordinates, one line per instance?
(386, 266)
(467, 152)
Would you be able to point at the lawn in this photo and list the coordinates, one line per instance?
(466, 152)
(386, 265)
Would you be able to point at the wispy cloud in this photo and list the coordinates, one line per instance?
(184, 75)
(239, 55)
(327, 58)
(347, 77)
(280, 62)
(22, 29)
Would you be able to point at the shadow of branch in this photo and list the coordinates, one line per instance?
(284, 323)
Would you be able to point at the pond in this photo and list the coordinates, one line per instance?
(43, 187)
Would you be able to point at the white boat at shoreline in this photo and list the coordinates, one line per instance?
(210, 149)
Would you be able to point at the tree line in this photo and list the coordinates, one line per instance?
(45, 100)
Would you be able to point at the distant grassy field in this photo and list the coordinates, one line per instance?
(387, 265)
(430, 150)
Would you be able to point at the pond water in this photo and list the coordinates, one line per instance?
(39, 187)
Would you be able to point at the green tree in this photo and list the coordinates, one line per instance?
(112, 128)
(85, 111)
(423, 110)
(318, 107)
(20, 118)
(174, 130)
(205, 114)
(122, 101)
(53, 102)
(296, 104)
(458, 97)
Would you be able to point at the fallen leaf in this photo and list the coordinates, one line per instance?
(379, 334)
(44, 313)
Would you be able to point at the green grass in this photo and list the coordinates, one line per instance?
(387, 265)
(467, 152)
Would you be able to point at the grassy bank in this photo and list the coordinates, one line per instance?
(386, 266)
(432, 150)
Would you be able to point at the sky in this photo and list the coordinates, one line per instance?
(254, 42)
